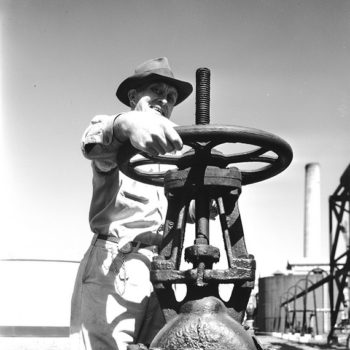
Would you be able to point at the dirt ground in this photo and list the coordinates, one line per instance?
(273, 343)
(32, 343)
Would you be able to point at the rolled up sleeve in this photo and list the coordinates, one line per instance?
(98, 143)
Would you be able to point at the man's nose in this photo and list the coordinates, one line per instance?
(163, 100)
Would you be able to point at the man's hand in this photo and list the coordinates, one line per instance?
(147, 130)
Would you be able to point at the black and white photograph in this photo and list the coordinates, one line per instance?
(175, 174)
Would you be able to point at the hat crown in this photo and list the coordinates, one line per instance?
(155, 65)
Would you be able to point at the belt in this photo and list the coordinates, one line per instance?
(129, 246)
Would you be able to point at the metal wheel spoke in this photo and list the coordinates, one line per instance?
(247, 158)
(148, 159)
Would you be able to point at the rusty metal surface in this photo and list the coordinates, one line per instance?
(203, 324)
(242, 271)
(203, 185)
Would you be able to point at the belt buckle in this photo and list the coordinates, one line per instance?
(126, 248)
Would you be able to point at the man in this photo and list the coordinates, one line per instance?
(113, 303)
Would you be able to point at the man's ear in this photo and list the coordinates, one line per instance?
(132, 97)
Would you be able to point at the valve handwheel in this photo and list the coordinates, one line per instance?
(202, 139)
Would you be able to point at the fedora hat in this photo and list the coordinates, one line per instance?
(154, 70)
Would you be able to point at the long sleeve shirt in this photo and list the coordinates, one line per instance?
(120, 206)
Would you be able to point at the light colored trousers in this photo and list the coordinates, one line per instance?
(113, 302)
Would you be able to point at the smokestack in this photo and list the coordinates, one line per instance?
(312, 215)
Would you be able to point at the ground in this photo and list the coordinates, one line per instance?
(32, 343)
(272, 343)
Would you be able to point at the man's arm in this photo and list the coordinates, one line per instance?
(147, 130)
(99, 144)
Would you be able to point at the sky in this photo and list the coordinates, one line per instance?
(279, 66)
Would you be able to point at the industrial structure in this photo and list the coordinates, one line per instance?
(312, 211)
(316, 301)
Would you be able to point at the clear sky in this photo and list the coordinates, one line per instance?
(280, 66)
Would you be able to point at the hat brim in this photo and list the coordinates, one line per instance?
(184, 89)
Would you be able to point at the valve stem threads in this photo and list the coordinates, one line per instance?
(202, 96)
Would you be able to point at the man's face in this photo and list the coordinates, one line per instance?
(162, 97)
